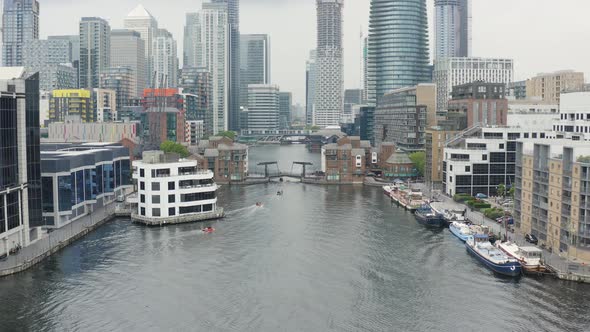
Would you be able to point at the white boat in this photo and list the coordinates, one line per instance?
(387, 190)
(455, 215)
(460, 230)
(531, 258)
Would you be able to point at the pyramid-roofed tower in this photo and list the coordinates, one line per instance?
(140, 12)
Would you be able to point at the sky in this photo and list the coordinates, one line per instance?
(540, 35)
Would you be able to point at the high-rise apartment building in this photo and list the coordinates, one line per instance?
(196, 90)
(254, 63)
(95, 50)
(233, 23)
(105, 105)
(20, 170)
(213, 54)
(74, 40)
(121, 80)
(140, 20)
(450, 72)
(128, 50)
(53, 60)
(310, 86)
(165, 58)
(263, 107)
(390, 66)
(20, 25)
(191, 36)
(285, 103)
(452, 28)
(330, 67)
(549, 86)
(64, 103)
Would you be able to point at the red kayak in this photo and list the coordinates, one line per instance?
(209, 230)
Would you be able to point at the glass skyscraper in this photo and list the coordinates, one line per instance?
(398, 46)
(254, 63)
(20, 24)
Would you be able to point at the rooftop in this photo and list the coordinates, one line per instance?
(140, 12)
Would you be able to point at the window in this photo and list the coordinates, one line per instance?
(155, 186)
(197, 197)
(142, 186)
(171, 198)
(451, 167)
(190, 209)
(207, 207)
(142, 174)
(142, 211)
(450, 179)
(526, 135)
(156, 199)
(484, 157)
(467, 168)
(142, 198)
(501, 146)
(171, 186)
(156, 212)
(172, 212)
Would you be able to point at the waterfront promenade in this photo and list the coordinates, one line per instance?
(58, 239)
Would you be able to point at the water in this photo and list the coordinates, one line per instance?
(316, 259)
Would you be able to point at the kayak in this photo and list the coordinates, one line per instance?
(209, 230)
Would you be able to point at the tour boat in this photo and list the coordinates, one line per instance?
(428, 217)
(460, 230)
(493, 258)
(530, 257)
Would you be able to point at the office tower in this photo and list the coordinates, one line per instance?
(191, 35)
(74, 102)
(121, 80)
(95, 50)
(285, 102)
(165, 60)
(53, 60)
(233, 21)
(549, 86)
(74, 40)
(213, 54)
(128, 50)
(330, 70)
(390, 66)
(263, 107)
(140, 20)
(450, 72)
(20, 170)
(20, 25)
(452, 28)
(254, 63)
(310, 86)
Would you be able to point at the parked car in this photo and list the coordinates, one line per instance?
(481, 196)
(530, 238)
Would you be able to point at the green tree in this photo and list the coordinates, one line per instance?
(511, 192)
(419, 160)
(502, 190)
(228, 134)
(172, 147)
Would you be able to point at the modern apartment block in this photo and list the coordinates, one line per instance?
(311, 70)
(194, 131)
(389, 66)
(549, 86)
(95, 50)
(52, 59)
(20, 25)
(64, 103)
(80, 178)
(20, 172)
(480, 103)
(552, 196)
(285, 104)
(165, 60)
(121, 80)
(330, 64)
(366, 120)
(574, 116)
(163, 116)
(452, 28)
(436, 140)
(140, 20)
(254, 63)
(128, 50)
(263, 107)
(533, 114)
(191, 36)
(450, 72)
(481, 159)
(402, 116)
(517, 90)
(105, 105)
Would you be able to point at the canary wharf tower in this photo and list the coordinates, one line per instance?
(398, 46)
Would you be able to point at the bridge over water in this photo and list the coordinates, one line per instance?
(272, 171)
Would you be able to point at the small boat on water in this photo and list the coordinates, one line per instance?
(409, 199)
(531, 258)
(429, 217)
(208, 230)
(460, 230)
(479, 246)
(387, 190)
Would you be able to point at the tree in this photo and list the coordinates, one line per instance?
(511, 192)
(419, 160)
(172, 147)
(502, 190)
(228, 134)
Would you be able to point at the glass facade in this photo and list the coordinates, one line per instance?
(398, 51)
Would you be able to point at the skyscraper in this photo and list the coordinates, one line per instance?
(285, 103)
(191, 31)
(122, 81)
(128, 50)
(330, 72)
(165, 60)
(95, 50)
(310, 86)
(390, 66)
(53, 60)
(75, 41)
(140, 20)
(452, 32)
(263, 107)
(213, 54)
(20, 24)
(254, 63)
(233, 17)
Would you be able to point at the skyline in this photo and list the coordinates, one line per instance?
(545, 49)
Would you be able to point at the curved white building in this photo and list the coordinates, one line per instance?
(172, 190)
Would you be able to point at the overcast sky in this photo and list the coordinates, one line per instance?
(540, 35)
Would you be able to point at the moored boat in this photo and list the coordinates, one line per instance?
(387, 190)
(460, 230)
(531, 258)
(425, 215)
(479, 246)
